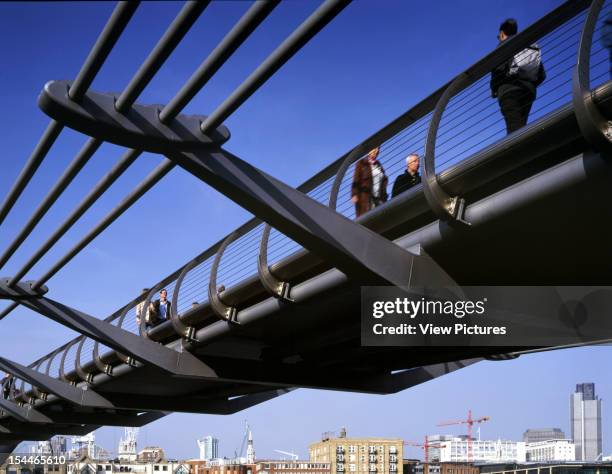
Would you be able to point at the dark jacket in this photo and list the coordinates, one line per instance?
(155, 316)
(362, 185)
(404, 182)
(503, 82)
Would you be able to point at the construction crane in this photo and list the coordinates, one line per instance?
(470, 423)
(294, 456)
(425, 446)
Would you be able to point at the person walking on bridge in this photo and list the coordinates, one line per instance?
(140, 309)
(409, 178)
(159, 311)
(514, 82)
(369, 188)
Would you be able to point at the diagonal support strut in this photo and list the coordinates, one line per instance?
(25, 413)
(182, 364)
(49, 384)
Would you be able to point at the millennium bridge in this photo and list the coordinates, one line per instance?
(263, 310)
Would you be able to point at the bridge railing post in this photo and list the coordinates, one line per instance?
(444, 206)
(596, 129)
(220, 308)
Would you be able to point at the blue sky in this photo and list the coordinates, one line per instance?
(373, 62)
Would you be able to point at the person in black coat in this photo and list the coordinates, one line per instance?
(514, 82)
(408, 178)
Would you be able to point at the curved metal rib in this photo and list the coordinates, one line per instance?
(100, 363)
(25, 398)
(219, 307)
(123, 357)
(348, 161)
(188, 332)
(83, 375)
(52, 356)
(62, 373)
(277, 288)
(446, 207)
(596, 129)
(37, 392)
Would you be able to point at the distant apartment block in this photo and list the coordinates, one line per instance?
(359, 455)
(551, 450)
(585, 422)
(535, 435)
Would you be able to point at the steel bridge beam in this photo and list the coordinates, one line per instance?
(25, 413)
(349, 380)
(36, 433)
(108, 419)
(195, 404)
(182, 364)
(52, 385)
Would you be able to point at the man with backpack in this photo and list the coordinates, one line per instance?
(514, 82)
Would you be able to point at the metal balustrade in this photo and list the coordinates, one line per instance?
(449, 127)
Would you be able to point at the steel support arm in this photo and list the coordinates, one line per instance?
(37, 433)
(234, 405)
(143, 350)
(23, 413)
(411, 377)
(346, 379)
(107, 419)
(195, 404)
(52, 385)
(355, 250)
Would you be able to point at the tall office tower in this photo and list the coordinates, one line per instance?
(585, 413)
(209, 448)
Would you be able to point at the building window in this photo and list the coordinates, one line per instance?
(156, 468)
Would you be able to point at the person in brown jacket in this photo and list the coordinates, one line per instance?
(369, 187)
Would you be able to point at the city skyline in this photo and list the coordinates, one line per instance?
(230, 431)
(529, 391)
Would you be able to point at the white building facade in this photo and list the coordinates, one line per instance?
(551, 450)
(455, 449)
